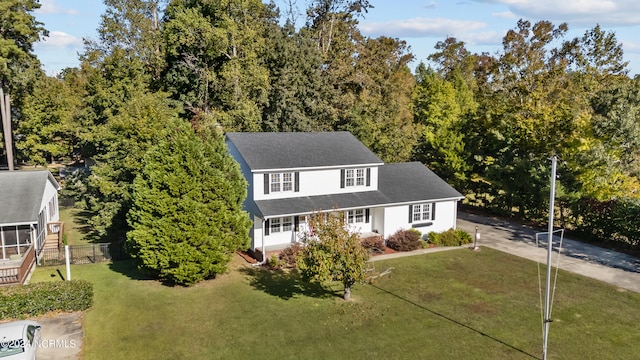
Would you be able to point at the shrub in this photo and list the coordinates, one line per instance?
(289, 256)
(404, 240)
(450, 237)
(40, 298)
(373, 244)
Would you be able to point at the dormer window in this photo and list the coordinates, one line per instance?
(355, 177)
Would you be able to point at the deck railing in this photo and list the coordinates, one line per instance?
(16, 271)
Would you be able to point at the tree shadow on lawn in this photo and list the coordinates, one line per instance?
(286, 284)
(129, 269)
(445, 317)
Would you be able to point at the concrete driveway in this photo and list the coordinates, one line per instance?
(615, 268)
(61, 336)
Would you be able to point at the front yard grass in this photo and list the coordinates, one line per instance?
(455, 304)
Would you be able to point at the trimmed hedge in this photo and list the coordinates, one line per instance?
(450, 237)
(40, 298)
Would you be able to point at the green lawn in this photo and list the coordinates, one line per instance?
(448, 305)
(75, 227)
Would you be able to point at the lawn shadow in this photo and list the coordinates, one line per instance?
(285, 284)
(129, 269)
(454, 321)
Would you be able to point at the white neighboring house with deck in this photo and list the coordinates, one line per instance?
(29, 219)
(292, 175)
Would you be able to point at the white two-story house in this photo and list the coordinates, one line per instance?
(293, 175)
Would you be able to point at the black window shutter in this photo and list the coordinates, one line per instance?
(366, 215)
(266, 227)
(296, 186)
(342, 178)
(368, 176)
(266, 183)
(410, 214)
(296, 222)
(433, 211)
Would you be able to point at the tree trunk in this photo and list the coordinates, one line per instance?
(347, 293)
(5, 114)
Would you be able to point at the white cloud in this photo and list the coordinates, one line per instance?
(51, 7)
(576, 12)
(505, 15)
(60, 39)
(420, 27)
(631, 46)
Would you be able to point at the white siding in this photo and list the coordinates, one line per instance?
(50, 192)
(397, 217)
(312, 183)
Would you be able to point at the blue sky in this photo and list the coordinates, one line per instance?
(481, 24)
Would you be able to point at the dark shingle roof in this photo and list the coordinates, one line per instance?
(398, 184)
(21, 195)
(264, 151)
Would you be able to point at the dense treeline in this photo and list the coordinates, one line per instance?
(487, 123)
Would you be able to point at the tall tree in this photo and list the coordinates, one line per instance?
(300, 97)
(187, 218)
(528, 114)
(436, 108)
(47, 130)
(18, 65)
(333, 252)
(375, 102)
(215, 59)
(133, 26)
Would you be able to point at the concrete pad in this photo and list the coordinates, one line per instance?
(606, 265)
(60, 337)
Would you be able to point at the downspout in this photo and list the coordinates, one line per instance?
(264, 251)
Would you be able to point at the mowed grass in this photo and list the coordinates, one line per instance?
(75, 226)
(456, 304)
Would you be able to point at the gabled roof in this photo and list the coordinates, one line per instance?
(21, 195)
(399, 183)
(291, 150)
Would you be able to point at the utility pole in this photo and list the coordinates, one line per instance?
(547, 305)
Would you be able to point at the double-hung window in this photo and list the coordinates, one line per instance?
(283, 224)
(421, 212)
(355, 216)
(281, 182)
(355, 177)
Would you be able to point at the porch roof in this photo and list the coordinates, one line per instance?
(399, 183)
(21, 195)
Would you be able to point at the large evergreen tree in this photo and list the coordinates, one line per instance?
(187, 218)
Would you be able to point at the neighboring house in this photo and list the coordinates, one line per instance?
(28, 212)
(292, 175)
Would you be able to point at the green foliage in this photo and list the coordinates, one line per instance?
(437, 109)
(47, 129)
(405, 240)
(214, 51)
(332, 253)
(186, 216)
(614, 221)
(450, 237)
(40, 298)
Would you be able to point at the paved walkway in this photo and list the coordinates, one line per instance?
(615, 268)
